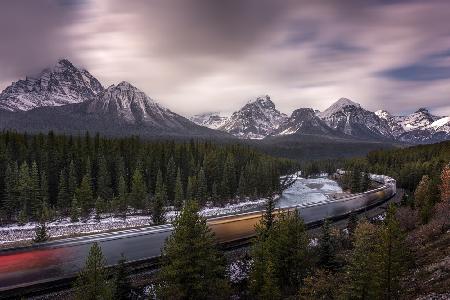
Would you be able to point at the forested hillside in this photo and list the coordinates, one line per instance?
(71, 175)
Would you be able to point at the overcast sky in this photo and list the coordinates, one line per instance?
(195, 56)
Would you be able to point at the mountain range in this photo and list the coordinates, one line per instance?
(69, 99)
(260, 119)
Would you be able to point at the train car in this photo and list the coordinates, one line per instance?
(64, 258)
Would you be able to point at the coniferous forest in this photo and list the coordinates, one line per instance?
(73, 175)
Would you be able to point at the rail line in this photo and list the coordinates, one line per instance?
(52, 266)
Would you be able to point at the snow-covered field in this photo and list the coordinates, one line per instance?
(309, 190)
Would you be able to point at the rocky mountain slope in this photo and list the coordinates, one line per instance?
(60, 85)
(212, 120)
(116, 111)
(305, 121)
(256, 120)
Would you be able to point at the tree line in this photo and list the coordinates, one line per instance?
(72, 175)
(369, 259)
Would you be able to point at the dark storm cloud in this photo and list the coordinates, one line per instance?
(204, 55)
(32, 35)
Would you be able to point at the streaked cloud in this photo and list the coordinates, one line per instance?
(207, 55)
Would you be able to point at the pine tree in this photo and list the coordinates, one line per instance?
(192, 267)
(24, 188)
(392, 256)
(92, 283)
(284, 246)
(171, 179)
(104, 188)
(11, 200)
(365, 182)
(72, 181)
(84, 196)
(41, 228)
(327, 252)
(63, 194)
(35, 202)
(444, 186)
(122, 283)
(352, 224)
(202, 188)
(179, 194)
(159, 200)
(228, 185)
(123, 196)
(191, 189)
(269, 217)
(138, 190)
(74, 210)
(242, 189)
(363, 280)
(422, 199)
(269, 288)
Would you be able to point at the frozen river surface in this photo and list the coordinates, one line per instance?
(309, 190)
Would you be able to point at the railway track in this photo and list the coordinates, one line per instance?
(232, 232)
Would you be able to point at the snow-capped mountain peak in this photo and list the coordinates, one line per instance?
(337, 106)
(211, 120)
(256, 120)
(62, 84)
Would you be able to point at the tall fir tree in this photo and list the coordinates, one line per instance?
(92, 283)
(202, 188)
(84, 196)
(327, 251)
(63, 195)
(179, 194)
(171, 174)
(444, 186)
(422, 199)
(138, 192)
(159, 200)
(192, 267)
(393, 256)
(104, 186)
(122, 283)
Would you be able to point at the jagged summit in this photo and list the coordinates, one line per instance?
(337, 106)
(255, 120)
(59, 85)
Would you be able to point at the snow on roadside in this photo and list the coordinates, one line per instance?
(63, 227)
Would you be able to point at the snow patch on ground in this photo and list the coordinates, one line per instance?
(63, 227)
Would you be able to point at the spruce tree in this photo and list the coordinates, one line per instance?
(122, 284)
(269, 217)
(159, 201)
(104, 188)
(41, 234)
(327, 252)
(444, 186)
(122, 197)
(191, 189)
(229, 178)
(392, 255)
(92, 283)
(352, 224)
(192, 267)
(11, 200)
(365, 182)
(138, 192)
(35, 202)
(24, 188)
(72, 181)
(422, 199)
(179, 194)
(74, 210)
(171, 174)
(202, 188)
(362, 275)
(63, 194)
(84, 196)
